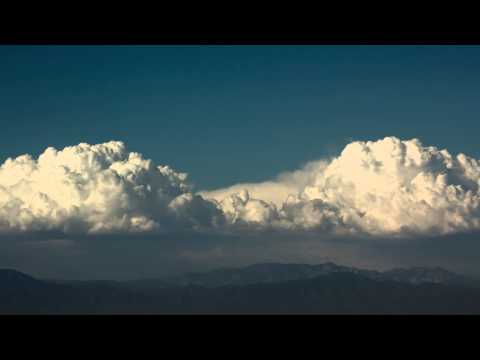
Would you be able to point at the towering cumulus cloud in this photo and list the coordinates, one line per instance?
(96, 189)
(386, 187)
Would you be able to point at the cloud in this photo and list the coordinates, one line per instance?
(385, 187)
(97, 189)
(388, 187)
(276, 190)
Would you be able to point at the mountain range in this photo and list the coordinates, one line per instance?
(261, 288)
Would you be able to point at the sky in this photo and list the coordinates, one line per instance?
(237, 116)
(252, 111)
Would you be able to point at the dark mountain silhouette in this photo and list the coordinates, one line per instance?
(10, 277)
(262, 288)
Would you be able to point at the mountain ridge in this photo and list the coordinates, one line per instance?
(279, 272)
(266, 272)
(259, 288)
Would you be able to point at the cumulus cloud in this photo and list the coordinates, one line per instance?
(384, 187)
(376, 188)
(394, 186)
(97, 189)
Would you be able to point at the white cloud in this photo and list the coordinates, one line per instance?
(385, 187)
(93, 189)
(275, 191)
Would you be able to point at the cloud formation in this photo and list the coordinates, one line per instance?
(385, 187)
(97, 189)
(376, 188)
(392, 186)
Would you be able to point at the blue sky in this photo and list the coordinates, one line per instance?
(229, 114)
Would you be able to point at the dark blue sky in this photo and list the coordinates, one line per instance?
(229, 114)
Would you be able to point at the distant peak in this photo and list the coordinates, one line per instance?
(13, 274)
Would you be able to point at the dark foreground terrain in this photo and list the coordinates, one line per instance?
(262, 288)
